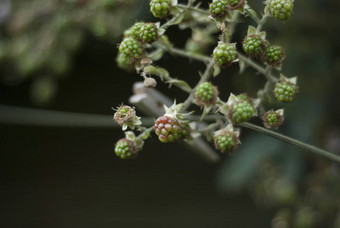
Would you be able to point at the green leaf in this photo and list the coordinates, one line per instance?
(217, 70)
(179, 83)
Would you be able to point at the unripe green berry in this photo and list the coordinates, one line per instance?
(274, 55)
(226, 141)
(272, 119)
(224, 54)
(132, 49)
(206, 94)
(234, 4)
(184, 133)
(244, 97)
(133, 31)
(241, 111)
(281, 9)
(219, 8)
(123, 62)
(148, 33)
(126, 149)
(160, 8)
(253, 45)
(285, 91)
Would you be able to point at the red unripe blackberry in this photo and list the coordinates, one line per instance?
(167, 128)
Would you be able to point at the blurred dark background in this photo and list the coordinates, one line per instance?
(59, 55)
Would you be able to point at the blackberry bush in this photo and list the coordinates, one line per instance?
(218, 118)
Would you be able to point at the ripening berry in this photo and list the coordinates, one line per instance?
(253, 45)
(160, 8)
(206, 94)
(224, 54)
(167, 129)
(219, 8)
(241, 111)
(281, 9)
(274, 55)
(272, 119)
(125, 149)
(234, 4)
(133, 31)
(148, 33)
(285, 91)
(132, 49)
(226, 141)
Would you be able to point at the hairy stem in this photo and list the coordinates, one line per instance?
(305, 146)
(194, 9)
(257, 67)
(176, 51)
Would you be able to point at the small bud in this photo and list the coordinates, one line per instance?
(273, 119)
(150, 83)
(126, 117)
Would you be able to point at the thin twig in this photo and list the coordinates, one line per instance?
(305, 146)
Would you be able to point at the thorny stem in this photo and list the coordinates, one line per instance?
(205, 77)
(305, 146)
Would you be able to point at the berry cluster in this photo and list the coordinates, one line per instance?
(167, 128)
(219, 8)
(226, 141)
(241, 111)
(224, 54)
(160, 8)
(272, 119)
(253, 45)
(206, 94)
(285, 91)
(281, 9)
(125, 149)
(274, 55)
